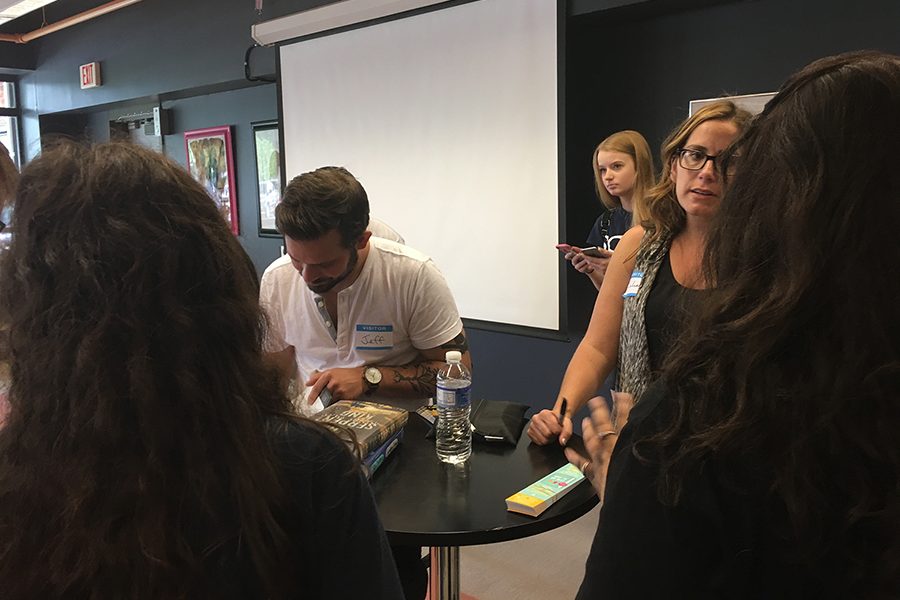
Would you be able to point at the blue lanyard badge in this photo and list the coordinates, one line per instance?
(633, 284)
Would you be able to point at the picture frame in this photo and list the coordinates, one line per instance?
(753, 103)
(210, 160)
(267, 149)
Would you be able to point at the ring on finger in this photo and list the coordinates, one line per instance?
(584, 466)
(605, 434)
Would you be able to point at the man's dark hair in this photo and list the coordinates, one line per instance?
(328, 198)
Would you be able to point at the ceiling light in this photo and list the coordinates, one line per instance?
(12, 9)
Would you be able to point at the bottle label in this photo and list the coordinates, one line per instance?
(453, 397)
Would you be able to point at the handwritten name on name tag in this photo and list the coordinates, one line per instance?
(633, 284)
(373, 337)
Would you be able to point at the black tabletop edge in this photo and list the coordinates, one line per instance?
(572, 509)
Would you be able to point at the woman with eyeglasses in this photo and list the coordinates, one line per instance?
(764, 463)
(654, 276)
(623, 172)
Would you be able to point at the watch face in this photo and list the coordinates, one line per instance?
(373, 375)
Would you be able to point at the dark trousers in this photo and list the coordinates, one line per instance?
(413, 574)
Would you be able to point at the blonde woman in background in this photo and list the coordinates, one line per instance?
(623, 172)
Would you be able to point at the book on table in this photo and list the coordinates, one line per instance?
(540, 495)
(378, 427)
(377, 457)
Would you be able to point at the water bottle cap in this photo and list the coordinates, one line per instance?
(453, 356)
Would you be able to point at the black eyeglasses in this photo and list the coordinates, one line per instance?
(694, 160)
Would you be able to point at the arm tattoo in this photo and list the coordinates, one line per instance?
(458, 343)
(422, 381)
(422, 377)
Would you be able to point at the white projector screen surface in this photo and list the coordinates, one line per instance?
(449, 121)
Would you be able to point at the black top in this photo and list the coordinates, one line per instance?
(720, 541)
(343, 551)
(666, 311)
(609, 227)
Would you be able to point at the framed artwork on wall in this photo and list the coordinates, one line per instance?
(210, 158)
(753, 103)
(268, 174)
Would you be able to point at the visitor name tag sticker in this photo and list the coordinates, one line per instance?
(373, 337)
(633, 284)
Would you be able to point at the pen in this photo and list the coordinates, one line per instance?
(562, 410)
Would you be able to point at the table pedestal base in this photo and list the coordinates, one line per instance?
(443, 581)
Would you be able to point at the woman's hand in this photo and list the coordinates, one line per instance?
(591, 264)
(545, 427)
(600, 433)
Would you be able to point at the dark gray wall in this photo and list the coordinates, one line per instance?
(635, 66)
(16, 56)
(148, 49)
(238, 108)
(630, 70)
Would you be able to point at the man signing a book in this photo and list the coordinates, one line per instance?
(353, 314)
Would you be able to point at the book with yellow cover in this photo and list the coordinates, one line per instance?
(541, 494)
(373, 423)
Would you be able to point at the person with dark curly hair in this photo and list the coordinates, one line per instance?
(765, 464)
(149, 451)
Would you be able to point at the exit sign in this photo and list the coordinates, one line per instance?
(90, 75)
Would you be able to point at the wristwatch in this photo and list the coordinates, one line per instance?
(371, 377)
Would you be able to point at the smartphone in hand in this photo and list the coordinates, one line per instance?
(596, 252)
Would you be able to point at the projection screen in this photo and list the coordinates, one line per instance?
(449, 120)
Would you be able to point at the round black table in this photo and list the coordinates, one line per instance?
(424, 502)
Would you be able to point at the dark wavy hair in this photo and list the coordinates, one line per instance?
(135, 450)
(793, 365)
(328, 198)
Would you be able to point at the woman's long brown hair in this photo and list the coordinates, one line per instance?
(136, 447)
(792, 370)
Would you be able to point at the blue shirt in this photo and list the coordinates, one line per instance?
(609, 227)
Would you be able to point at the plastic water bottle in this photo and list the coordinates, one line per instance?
(454, 431)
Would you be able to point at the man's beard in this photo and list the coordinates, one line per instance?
(321, 286)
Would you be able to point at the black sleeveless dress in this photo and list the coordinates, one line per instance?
(668, 307)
